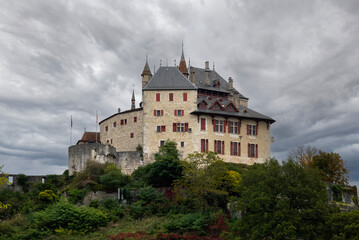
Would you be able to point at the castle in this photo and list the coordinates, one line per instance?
(193, 106)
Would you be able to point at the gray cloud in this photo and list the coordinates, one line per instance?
(295, 60)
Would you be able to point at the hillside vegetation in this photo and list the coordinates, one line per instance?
(199, 198)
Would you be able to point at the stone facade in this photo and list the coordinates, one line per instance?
(80, 155)
(123, 130)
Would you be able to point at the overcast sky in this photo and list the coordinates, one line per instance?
(296, 61)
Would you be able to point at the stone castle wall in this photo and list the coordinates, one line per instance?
(123, 130)
(80, 155)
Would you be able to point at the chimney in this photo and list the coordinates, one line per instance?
(207, 80)
(119, 110)
(206, 65)
(230, 81)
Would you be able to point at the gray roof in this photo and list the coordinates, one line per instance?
(169, 78)
(243, 112)
(213, 76)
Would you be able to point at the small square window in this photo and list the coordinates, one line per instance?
(131, 135)
(106, 128)
(134, 119)
(182, 144)
(158, 128)
(162, 142)
(114, 124)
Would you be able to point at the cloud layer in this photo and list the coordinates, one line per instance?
(296, 61)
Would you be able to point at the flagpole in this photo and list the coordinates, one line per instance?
(96, 125)
(71, 132)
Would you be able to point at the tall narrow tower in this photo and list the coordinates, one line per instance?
(182, 66)
(146, 74)
(133, 106)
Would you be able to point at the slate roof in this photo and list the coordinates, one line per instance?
(243, 112)
(199, 74)
(169, 78)
(127, 111)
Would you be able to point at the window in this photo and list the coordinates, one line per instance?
(179, 112)
(125, 121)
(235, 148)
(219, 125)
(252, 150)
(182, 144)
(107, 141)
(111, 140)
(134, 119)
(122, 122)
(114, 124)
(203, 124)
(161, 128)
(204, 145)
(170, 96)
(131, 135)
(233, 127)
(180, 127)
(162, 142)
(219, 146)
(106, 128)
(158, 97)
(157, 113)
(184, 96)
(251, 130)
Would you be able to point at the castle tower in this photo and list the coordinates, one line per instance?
(146, 74)
(133, 106)
(182, 66)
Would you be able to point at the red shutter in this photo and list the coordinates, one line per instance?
(222, 147)
(158, 97)
(154, 114)
(257, 128)
(256, 150)
(239, 149)
(161, 112)
(171, 96)
(206, 144)
(214, 125)
(231, 148)
(184, 96)
(239, 126)
(224, 125)
(215, 145)
(175, 112)
(249, 149)
(203, 124)
(247, 129)
(174, 127)
(186, 127)
(182, 112)
(229, 126)
(163, 128)
(202, 141)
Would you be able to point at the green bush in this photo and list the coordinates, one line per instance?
(343, 225)
(68, 216)
(47, 196)
(94, 203)
(22, 181)
(76, 195)
(113, 209)
(183, 223)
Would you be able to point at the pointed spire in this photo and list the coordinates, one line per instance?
(133, 106)
(146, 69)
(182, 66)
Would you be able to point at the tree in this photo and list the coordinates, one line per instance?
(282, 202)
(3, 180)
(303, 155)
(331, 167)
(113, 178)
(167, 166)
(206, 181)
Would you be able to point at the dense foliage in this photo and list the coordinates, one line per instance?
(282, 202)
(199, 198)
